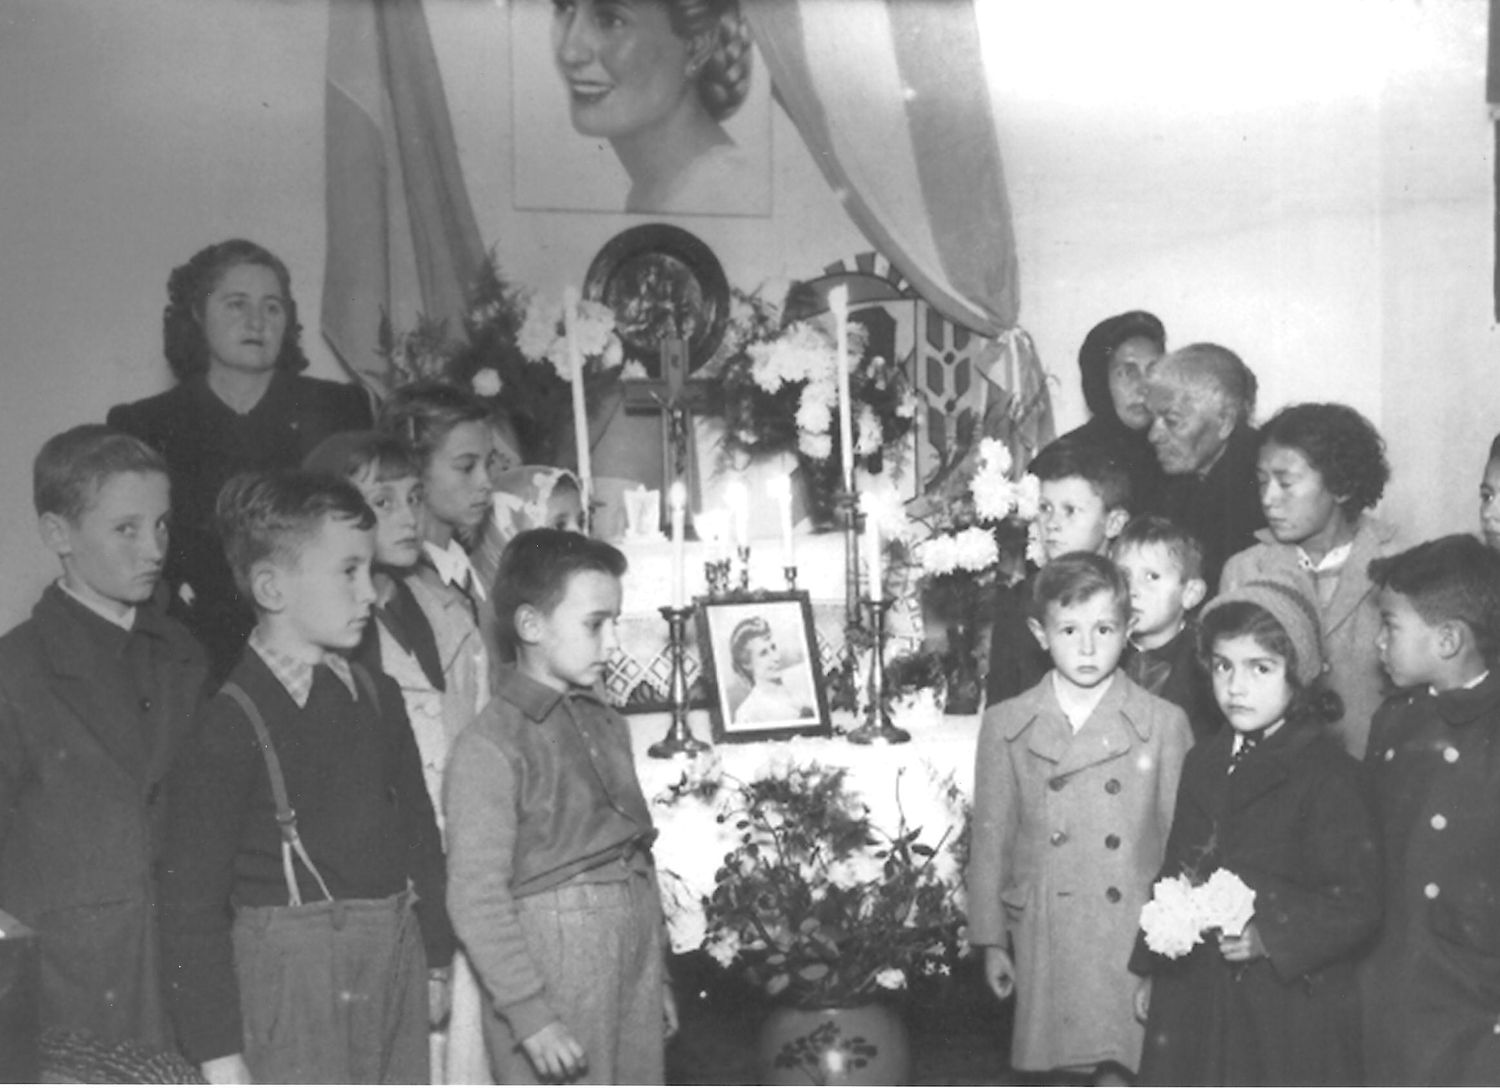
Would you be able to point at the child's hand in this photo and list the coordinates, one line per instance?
(439, 996)
(1244, 948)
(670, 1020)
(230, 1069)
(999, 971)
(554, 1053)
(1143, 1000)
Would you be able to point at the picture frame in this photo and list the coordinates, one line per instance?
(761, 667)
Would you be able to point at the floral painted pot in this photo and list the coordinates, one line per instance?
(865, 1044)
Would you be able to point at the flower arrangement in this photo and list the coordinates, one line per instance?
(513, 352)
(1180, 912)
(816, 904)
(778, 390)
(979, 540)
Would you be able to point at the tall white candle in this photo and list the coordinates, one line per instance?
(580, 405)
(838, 303)
(780, 488)
(737, 497)
(677, 500)
(872, 556)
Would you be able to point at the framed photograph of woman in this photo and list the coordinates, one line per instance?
(762, 656)
(660, 107)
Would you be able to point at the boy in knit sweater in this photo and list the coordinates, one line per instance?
(299, 821)
(552, 888)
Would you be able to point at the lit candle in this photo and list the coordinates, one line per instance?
(677, 500)
(872, 544)
(580, 406)
(838, 302)
(737, 497)
(780, 488)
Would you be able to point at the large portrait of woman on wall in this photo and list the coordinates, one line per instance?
(659, 107)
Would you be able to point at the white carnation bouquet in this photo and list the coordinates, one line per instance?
(1181, 912)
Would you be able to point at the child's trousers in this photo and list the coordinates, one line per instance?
(333, 992)
(598, 946)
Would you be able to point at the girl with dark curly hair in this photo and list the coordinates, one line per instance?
(655, 78)
(1322, 468)
(231, 337)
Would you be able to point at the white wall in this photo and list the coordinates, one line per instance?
(1308, 183)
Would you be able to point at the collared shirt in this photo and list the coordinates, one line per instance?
(1470, 686)
(1332, 561)
(296, 675)
(453, 567)
(1260, 735)
(126, 621)
(1077, 711)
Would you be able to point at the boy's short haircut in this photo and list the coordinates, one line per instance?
(1451, 578)
(1076, 577)
(352, 454)
(535, 568)
(1149, 529)
(71, 467)
(273, 515)
(1089, 461)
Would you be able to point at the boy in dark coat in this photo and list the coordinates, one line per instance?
(97, 693)
(1281, 806)
(1432, 984)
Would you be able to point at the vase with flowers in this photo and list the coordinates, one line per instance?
(823, 908)
(777, 392)
(980, 539)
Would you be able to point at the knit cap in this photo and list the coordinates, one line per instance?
(1292, 609)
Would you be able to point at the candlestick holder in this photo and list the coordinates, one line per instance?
(716, 574)
(789, 572)
(847, 504)
(742, 561)
(878, 728)
(679, 740)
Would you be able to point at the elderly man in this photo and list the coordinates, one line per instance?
(1201, 399)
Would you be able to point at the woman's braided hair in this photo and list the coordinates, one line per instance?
(724, 79)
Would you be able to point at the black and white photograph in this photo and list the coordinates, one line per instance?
(763, 658)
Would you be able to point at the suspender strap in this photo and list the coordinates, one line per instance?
(286, 819)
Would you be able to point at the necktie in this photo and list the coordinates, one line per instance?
(1247, 744)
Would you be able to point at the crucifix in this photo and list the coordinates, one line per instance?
(674, 395)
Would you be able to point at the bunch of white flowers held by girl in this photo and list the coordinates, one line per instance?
(1181, 912)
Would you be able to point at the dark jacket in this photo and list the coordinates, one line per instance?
(1222, 507)
(91, 717)
(1174, 672)
(1294, 822)
(205, 442)
(1432, 983)
(1017, 660)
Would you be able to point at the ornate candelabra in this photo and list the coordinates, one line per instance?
(790, 574)
(679, 740)
(878, 728)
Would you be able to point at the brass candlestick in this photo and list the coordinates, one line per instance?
(878, 728)
(679, 740)
(852, 520)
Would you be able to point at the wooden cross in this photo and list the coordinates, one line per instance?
(675, 396)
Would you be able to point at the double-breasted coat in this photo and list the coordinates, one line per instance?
(1295, 823)
(1350, 621)
(1432, 984)
(1069, 830)
(91, 717)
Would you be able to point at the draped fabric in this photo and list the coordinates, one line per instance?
(893, 102)
(402, 237)
(1492, 96)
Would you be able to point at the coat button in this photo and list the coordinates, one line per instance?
(1057, 783)
(1059, 837)
(1112, 894)
(1111, 842)
(1112, 786)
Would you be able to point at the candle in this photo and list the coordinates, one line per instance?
(737, 497)
(838, 302)
(780, 488)
(677, 500)
(580, 406)
(872, 544)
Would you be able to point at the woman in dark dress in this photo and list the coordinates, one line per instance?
(232, 339)
(1113, 362)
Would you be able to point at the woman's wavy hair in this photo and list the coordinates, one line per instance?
(1340, 444)
(745, 632)
(188, 289)
(723, 80)
(421, 415)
